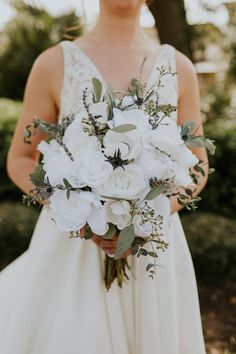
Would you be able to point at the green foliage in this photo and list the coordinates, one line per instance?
(219, 195)
(232, 64)
(9, 113)
(18, 222)
(212, 242)
(26, 36)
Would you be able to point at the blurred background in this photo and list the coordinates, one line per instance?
(204, 30)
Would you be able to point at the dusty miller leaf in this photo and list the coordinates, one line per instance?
(124, 128)
(154, 192)
(97, 87)
(125, 239)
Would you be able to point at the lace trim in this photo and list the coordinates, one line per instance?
(79, 70)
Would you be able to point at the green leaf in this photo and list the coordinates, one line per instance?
(125, 240)
(66, 183)
(37, 176)
(143, 252)
(189, 192)
(199, 169)
(68, 194)
(97, 87)
(154, 192)
(149, 266)
(124, 128)
(153, 254)
(210, 146)
(110, 233)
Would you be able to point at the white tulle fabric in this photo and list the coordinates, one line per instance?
(52, 298)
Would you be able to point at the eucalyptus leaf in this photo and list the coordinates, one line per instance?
(154, 192)
(143, 252)
(125, 240)
(149, 266)
(124, 128)
(110, 233)
(37, 176)
(97, 87)
(153, 254)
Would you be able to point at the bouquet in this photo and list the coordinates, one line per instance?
(111, 169)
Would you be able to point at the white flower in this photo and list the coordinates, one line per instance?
(118, 213)
(154, 163)
(184, 157)
(75, 137)
(128, 101)
(125, 182)
(92, 166)
(161, 206)
(182, 175)
(132, 116)
(183, 160)
(73, 213)
(128, 144)
(57, 164)
(99, 109)
(166, 137)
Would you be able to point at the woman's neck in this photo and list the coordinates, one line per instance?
(120, 31)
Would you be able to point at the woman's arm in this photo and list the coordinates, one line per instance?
(40, 99)
(189, 110)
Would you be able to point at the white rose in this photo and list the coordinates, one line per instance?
(161, 206)
(92, 166)
(184, 157)
(118, 213)
(183, 160)
(99, 109)
(128, 143)
(166, 137)
(58, 165)
(181, 175)
(154, 164)
(128, 101)
(132, 116)
(125, 182)
(73, 213)
(75, 137)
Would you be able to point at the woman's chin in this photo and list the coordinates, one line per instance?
(122, 7)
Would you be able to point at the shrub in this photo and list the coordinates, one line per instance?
(9, 113)
(220, 194)
(212, 241)
(16, 226)
(29, 33)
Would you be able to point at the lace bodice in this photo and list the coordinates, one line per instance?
(79, 71)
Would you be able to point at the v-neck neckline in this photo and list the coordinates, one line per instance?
(97, 71)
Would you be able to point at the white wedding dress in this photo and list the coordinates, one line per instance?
(53, 299)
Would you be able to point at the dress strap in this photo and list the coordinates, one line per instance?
(77, 74)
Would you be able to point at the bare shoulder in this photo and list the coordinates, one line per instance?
(47, 70)
(49, 60)
(187, 76)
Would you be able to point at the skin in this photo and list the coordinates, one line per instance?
(116, 35)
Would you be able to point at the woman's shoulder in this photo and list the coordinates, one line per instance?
(47, 61)
(186, 71)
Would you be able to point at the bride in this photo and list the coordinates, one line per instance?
(52, 298)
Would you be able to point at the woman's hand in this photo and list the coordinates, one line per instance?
(108, 246)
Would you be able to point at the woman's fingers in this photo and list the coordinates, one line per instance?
(109, 246)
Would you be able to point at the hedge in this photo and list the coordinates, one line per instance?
(17, 223)
(212, 241)
(9, 113)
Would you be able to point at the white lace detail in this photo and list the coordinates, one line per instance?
(79, 70)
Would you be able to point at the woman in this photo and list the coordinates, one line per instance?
(52, 298)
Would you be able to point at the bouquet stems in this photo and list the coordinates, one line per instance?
(115, 268)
